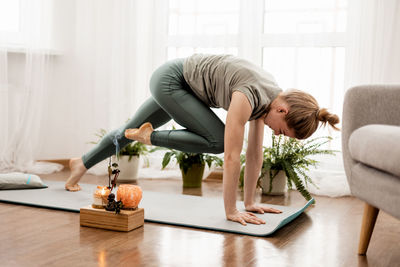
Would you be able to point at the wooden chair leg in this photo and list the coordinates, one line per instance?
(368, 223)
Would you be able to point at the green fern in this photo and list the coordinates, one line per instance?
(293, 157)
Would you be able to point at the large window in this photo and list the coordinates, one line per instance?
(10, 22)
(9, 16)
(300, 42)
(306, 16)
(205, 26)
(28, 25)
(303, 46)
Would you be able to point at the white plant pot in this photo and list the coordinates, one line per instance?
(278, 183)
(129, 169)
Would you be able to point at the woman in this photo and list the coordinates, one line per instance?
(184, 90)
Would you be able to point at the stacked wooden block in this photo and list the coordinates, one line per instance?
(126, 220)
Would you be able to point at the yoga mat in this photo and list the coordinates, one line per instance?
(182, 210)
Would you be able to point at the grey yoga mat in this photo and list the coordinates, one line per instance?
(183, 210)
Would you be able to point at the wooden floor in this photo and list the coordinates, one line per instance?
(326, 235)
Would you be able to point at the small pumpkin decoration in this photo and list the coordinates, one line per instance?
(130, 195)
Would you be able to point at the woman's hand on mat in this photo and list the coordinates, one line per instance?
(261, 209)
(244, 218)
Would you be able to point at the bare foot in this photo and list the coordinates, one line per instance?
(77, 171)
(142, 134)
(73, 188)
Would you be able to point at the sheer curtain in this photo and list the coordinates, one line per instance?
(76, 67)
(24, 91)
(372, 56)
(373, 52)
(117, 46)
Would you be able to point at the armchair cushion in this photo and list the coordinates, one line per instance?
(377, 146)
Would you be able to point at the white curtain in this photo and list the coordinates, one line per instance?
(83, 65)
(24, 73)
(113, 58)
(117, 47)
(373, 51)
(372, 56)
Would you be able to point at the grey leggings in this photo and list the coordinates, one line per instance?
(172, 98)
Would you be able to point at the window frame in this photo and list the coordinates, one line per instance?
(251, 40)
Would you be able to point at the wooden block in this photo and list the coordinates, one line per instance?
(126, 220)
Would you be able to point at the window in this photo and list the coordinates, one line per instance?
(10, 22)
(27, 25)
(307, 16)
(9, 16)
(303, 46)
(302, 43)
(202, 27)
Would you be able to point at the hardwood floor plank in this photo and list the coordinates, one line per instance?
(326, 235)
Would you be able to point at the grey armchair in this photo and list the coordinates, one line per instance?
(371, 151)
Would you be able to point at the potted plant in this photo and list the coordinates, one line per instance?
(191, 165)
(288, 159)
(286, 162)
(128, 158)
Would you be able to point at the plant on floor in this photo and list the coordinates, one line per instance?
(191, 165)
(186, 160)
(292, 157)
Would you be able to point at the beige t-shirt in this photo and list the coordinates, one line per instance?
(213, 79)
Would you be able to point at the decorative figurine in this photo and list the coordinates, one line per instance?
(111, 171)
(113, 205)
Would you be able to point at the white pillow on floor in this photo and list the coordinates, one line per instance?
(19, 180)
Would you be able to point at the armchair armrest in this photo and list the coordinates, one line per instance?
(367, 104)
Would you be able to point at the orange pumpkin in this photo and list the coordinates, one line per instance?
(130, 195)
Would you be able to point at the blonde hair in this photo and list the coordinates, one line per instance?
(304, 113)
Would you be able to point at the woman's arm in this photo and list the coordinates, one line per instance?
(254, 159)
(238, 114)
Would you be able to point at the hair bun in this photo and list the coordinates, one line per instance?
(325, 116)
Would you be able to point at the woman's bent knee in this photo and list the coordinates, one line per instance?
(217, 148)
